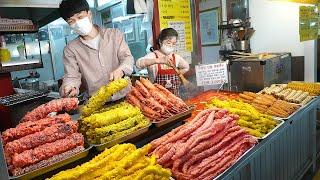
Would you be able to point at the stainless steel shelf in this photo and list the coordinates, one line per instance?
(20, 98)
(18, 28)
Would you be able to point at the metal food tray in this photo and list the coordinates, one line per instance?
(301, 107)
(101, 147)
(295, 112)
(304, 105)
(280, 123)
(23, 97)
(221, 174)
(56, 165)
(175, 117)
(217, 177)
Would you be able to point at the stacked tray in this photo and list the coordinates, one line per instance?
(61, 163)
(23, 97)
(175, 117)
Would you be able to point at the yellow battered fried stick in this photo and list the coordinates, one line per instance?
(94, 164)
(156, 169)
(117, 135)
(112, 116)
(119, 162)
(102, 96)
(249, 116)
(118, 127)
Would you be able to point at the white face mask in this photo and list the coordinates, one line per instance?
(83, 26)
(167, 49)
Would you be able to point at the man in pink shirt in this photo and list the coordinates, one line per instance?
(96, 57)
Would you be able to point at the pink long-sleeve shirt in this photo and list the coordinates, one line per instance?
(83, 64)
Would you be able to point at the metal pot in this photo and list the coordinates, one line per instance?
(242, 45)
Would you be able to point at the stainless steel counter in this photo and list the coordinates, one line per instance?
(285, 155)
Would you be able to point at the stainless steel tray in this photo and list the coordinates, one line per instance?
(20, 98)
(175, 117)
(301, 107)
(286, 118)
(280, 122)
(101, 147)
(54, 166)
(217, 177)
(313, 98)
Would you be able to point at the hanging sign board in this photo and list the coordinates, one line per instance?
(177, 14)
(212, 74)
(305, 1)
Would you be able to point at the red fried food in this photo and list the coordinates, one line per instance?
(50, 134)
(48, 150)
(156, 102)
(57, 105)
(204, 147)
(187, 131)
(30, 127)
(229, 149)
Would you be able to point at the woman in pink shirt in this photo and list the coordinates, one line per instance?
(158, 62)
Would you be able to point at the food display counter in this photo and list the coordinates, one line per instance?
(220, 135)
(287, 153)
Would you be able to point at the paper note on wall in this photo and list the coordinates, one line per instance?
(179, 26)
(212, 74)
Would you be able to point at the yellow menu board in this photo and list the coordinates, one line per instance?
(308, 19)
(177, 14)
(305, 1)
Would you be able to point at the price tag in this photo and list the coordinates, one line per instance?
(212, 74)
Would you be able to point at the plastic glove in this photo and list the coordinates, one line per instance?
(70, 91)
(117, 74)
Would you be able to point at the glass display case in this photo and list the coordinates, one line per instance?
(238, 9)
(23, 45)
(137, 28)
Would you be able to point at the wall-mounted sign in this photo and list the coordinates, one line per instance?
(305, 1)
(177, 14)
(308, 23)
(212, 74)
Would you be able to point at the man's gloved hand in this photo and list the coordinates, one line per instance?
(70, 91)
(117, 74)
